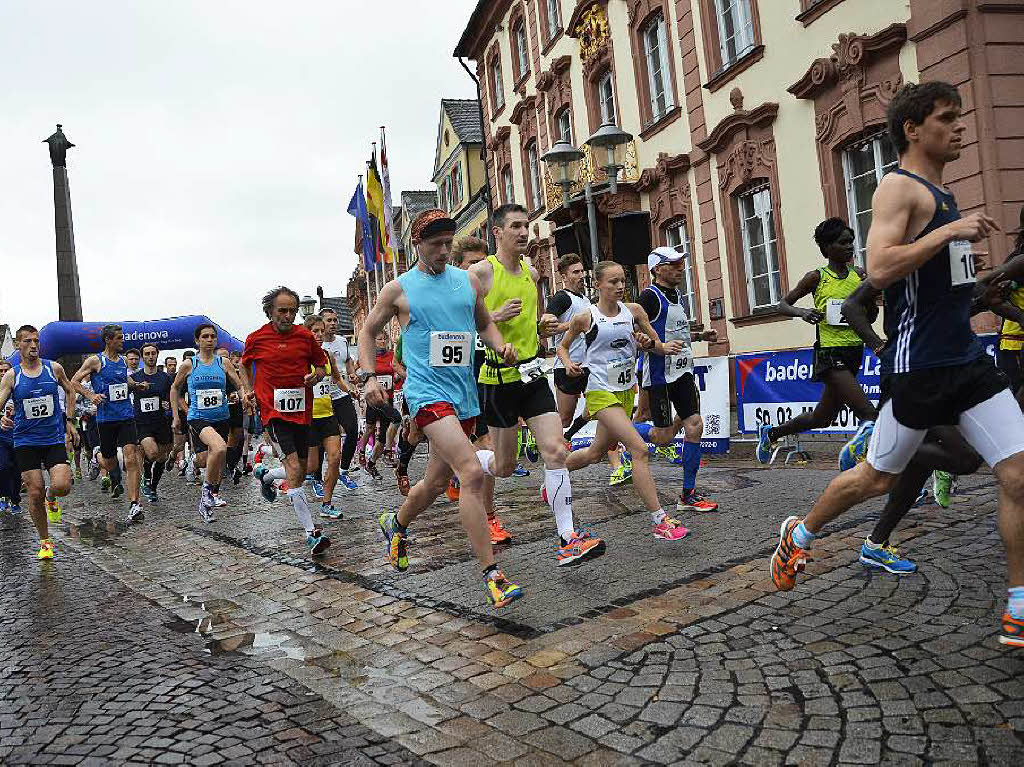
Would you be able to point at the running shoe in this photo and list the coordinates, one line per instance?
(362, 459)
(48, 551)
(1013, 631)
(764, 444)
(15, 509)
(922, 498)
(390, 459)
(581, 546)
(670, 529)
(452, 490)
(856, 450)
(670, 453)
(397, 555)
(318, 542)
(205, 506)
(267, 489)
(500, 592)
(53, 511)
(498, 532)
(531, 452)
(886, 558)
(153, 497)
(347, 481)
(520, 471)
(694, 501)
(117, 490)
(620, 476)
(94, 470)
(374, 473)
(236, 475)
(135, 514)
(788, 559)
(144, 486)
(942, 487)
(218, 502)
(403, 482)
(4, 505)
(190, 470)
(78, 475)
(105, 484)
(316, 486)
(328, 511)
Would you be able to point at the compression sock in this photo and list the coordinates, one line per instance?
(115, 475)
(803, 537)
(691, 464)
(1016, 604)
(560, 499)
(158, 471)
(147, 468)
(234, 454)
(486, 458)
(298, 496)
(574, 427)
(405, 451)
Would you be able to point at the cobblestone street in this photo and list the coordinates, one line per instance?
(175, 641)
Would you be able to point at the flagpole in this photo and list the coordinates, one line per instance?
(390, 223)
(366, 274)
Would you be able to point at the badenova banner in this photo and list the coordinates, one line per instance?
(772, 387)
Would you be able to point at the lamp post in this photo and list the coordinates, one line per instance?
(608, 150)
(307, 306)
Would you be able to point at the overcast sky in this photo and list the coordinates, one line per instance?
(218, 144)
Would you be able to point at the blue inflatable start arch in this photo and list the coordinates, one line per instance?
(59, 338)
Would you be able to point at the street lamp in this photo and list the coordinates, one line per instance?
(307, 306)
(563, 161)
(608, 149)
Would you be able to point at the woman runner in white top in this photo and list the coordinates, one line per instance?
(613, 330)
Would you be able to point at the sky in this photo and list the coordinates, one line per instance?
(217, 144)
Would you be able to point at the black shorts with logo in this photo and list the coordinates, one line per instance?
(681, 395)
(158, 430)
(828, 358)
(322, 428)
(931, 397)
(195, 428)
(115, 434)
(502, 405)
(290, 437)
(235, 415)
(35, 457)
(566, 384)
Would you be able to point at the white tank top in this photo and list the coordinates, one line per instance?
(578, 349)
(611, 351)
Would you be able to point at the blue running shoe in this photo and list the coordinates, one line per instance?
(520, 471)
(267, 489)
(318, 542)
(886, 558)
(316, 486)
(347, 481)
(15, 508)
(764, 444)
(397, 552)
(922, 498)
(531, 451)
(4, 505)
(328, 511)
(856, 450)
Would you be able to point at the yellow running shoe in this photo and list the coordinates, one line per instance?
(46, 549)
(53, 511)
(620, 476)
(500, 592)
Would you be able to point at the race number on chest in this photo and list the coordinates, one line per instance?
(117, 392)
(322, 388)
(38, 407)
(449, 349)
(207, 399)
(149, 404)
(961, 263)
(289, 400)
(834, 312)
(620, 373)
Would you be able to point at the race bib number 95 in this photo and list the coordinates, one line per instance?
(449, 349)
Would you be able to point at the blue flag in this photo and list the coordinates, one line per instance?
(364, 230)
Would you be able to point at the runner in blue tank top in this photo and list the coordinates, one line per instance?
(440, 309)
(38, 431)
(115, 419)
(207, 378)
(934, 370)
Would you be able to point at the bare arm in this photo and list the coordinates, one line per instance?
(179, 378)
(65, 383)
(89, 367)
(648, 336)
(380, 315)
(579, 323)
(6, 386)
(859, 308)
(807, 285)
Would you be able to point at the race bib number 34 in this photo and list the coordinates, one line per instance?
(450, 349)
(117, 392)
(961, 263)
(38, 407)
(290, 400)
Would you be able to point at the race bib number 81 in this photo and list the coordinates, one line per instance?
(449, 349)
(149, 404)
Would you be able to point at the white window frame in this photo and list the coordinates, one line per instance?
(658, 75)
(554, 18)
(740, 14)
(509, 184)
(521, 52)
(761, 207)
(564, 116)
(606, 97)
(677, 237)
(860, 239)
(497, 83)
(533, 168)
(456, 177)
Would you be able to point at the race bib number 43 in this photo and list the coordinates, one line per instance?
(961, 263)
(117, 392)
(449, 349)
(38, 407)
(290, 400)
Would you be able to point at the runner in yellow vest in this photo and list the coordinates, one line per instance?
(1010, 356)
(509, 286)
(838, 350)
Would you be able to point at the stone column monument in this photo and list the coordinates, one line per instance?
(69, 293)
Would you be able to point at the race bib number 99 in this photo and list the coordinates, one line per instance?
(117, 392)
(449, 349)
(961, 263)
(149, 404)
(290, 400)
(207, 399)
(38, 407)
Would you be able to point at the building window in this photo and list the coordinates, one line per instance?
(735, 29)
(656, 55)
(606, 97)
(533, 169)
(506, 185)
(563, 124)
(520, 53)
(554, 19)
(456, 184)
(863, 168)
(676, 237)
(497, 86)
(760, 248)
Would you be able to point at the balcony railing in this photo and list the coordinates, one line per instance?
(587, 172)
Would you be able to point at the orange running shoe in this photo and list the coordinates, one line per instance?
(453, 490)
(582, 546)
(788, 559)
(498, 532)
(403, 483)
(1013, 631)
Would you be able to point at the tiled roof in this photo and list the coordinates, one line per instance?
(465, 117)
(417, 202)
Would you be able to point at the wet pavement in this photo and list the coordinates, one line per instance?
(180, 640)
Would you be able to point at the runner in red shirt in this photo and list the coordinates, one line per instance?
(281, 354)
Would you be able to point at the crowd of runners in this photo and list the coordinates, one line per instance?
(455, 355)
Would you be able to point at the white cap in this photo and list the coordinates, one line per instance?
(663, 255)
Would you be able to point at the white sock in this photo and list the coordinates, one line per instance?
(274, 474)
(560, 499)
(658, 516)
(298, 496)
(486, 458)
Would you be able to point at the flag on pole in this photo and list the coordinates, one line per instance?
(378, 214)
(364, 228)
(392, 240)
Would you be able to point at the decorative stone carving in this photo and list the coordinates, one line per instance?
(736, 99)
(748, 159)
(851, 57)
(593, 32)
(667, 186)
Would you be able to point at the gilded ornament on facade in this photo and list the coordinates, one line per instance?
(593, 31)
(630, 173)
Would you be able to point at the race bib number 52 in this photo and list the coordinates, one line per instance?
(449, 349)
(38, 407)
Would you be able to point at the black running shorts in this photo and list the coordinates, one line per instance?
(681, 395)
(115, 434)
(502, 405)
(828, 358)
(195, 428)
(159, 431)
(235, 415)
(566, 384)
(35, 457)
(1011, 362)
(931, 397)
(322, 428)
(290, 437)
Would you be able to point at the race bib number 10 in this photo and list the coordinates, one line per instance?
(961, 263)
(449, 349)
(290, 400)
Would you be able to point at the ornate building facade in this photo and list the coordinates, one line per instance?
(753, 120)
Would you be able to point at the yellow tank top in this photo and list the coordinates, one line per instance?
(322, 406)
(520, 331)
(1011, 336)
(833, 290)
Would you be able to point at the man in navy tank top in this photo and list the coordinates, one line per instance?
(934, 369)
(34, 385)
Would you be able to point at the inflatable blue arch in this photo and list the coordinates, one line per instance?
(59, 338)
